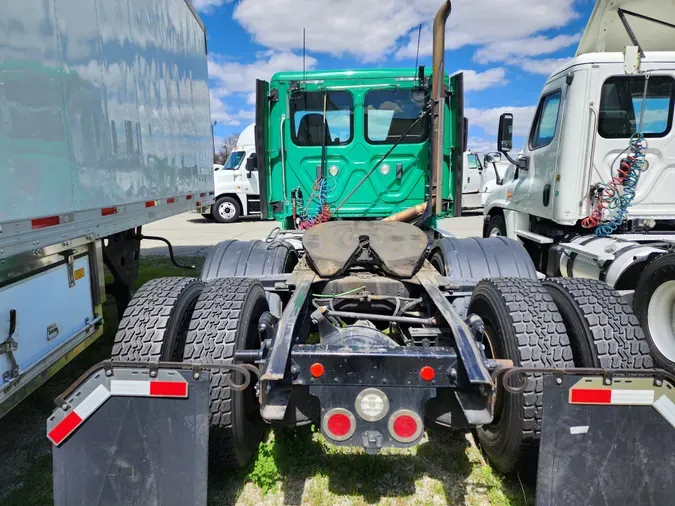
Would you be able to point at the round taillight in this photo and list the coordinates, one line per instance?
(339, 424)
(372, 404)
(316, 370)
(427, 373)
(405, 426)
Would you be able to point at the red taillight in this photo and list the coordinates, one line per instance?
(108, 211)
(405, 426)
(316, 370)
(339, 424)
(427, 373)
(189, 197)
(150, 203)
(170, 200)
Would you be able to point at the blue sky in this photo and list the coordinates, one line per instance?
(506, 48)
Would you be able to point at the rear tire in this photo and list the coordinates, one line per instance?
(155, 323)
(523, 325)
(603, 330)
(654, 305)
(226, 318)
(226, 210)
(248, 258)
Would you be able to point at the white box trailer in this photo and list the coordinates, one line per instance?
(104, 127)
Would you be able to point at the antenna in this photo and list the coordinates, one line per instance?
(417, 58)
(304, 72)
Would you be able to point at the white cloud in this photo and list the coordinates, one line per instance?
(370, 30)
(530, 46)
(477, 81)
(234, 77)
(208, 5)
(488, 119)
(482, 145)
(220, 113)
(545, 67)
(490, 21)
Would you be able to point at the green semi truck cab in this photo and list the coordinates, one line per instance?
(324, 141)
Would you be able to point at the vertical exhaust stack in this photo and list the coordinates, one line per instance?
(437, 86)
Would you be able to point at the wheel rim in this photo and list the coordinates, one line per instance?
(661, 319)
(495, 232)
(227, 210)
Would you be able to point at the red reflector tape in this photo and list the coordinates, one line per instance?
(189, 197)
(168, 389)
(107, 211)
(588, 396)
(150, 203)
(171, 200)
(65, 428)
(45, 222)
(202, 194)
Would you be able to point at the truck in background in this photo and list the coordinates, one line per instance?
(592, 195)
(479, 178)
(96, 140)
(237, 192)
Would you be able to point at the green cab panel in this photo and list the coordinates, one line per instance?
(350, 120)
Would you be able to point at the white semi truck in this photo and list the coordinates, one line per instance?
(593, 190)
(236, 183)
(104, 127)
(479, 178)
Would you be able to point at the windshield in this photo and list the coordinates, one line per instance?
(234, 160)
(389, 114)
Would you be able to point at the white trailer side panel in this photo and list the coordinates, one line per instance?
(104, 105)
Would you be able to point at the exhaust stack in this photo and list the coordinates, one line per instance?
(437, 86)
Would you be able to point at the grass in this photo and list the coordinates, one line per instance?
(292, 467)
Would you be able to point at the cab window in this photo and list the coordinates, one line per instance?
(234, 160)
(389, 113)
(621, 105)
(473, 161)
(546, 120)
(310, 128)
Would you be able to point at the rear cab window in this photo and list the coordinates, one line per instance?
(310, 127)
(621, 106)
(389, 113)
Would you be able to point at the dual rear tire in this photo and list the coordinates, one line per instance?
(556, 323)
(185, 319)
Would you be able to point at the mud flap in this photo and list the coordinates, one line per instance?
(129, 439)
(607, 444)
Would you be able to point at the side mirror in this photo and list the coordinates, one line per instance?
(251, 163)
(505, 134)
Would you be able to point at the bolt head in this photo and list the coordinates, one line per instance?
(558, 381)
(64, 407)
(608, 381)
(659, 383)
(196, 375)
(108, 373)
(153, 374)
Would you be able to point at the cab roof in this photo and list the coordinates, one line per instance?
(407, 74)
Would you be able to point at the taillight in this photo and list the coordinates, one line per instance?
(427, 373)
(405, 426)
(339, 424)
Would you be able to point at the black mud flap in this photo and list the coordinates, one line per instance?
(607, 444)
(129, 439)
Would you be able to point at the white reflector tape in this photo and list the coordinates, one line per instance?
(633, 397)
(667, 409)
(130, 388)
(92, 402)
(579, 429)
